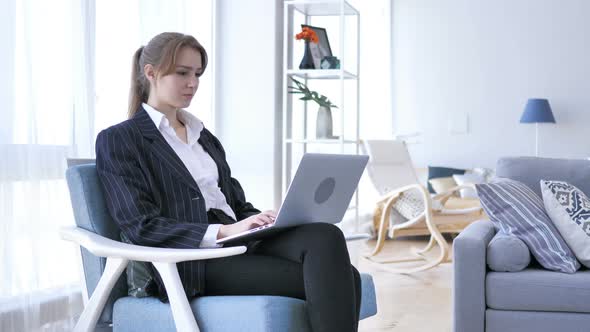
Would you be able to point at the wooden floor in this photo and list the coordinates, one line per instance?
(408, 303)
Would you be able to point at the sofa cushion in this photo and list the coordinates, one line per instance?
(441, 185)
(507, 253)
(538, 290)
(468, 178)
(214, 313)
(569, 209)
(229, 313)
(530, 170)
(441, 172)
(517, 210)
(537, 321)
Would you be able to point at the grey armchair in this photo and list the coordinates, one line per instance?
(109, 307)
(533, 299)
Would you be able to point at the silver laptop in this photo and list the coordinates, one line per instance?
(320, 192)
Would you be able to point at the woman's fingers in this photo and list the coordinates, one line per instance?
(265, 219)
(256, 221)
(269, 216)
(270, 213)
(261, 219)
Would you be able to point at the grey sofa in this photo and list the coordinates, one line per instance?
(533, 299)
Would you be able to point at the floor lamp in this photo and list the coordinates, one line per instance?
(537, 111)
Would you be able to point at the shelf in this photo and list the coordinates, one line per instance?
(297, 137)
(320, 141)
(327, 74)
(321, 8)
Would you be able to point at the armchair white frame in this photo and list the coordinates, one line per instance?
(119, 254)
(390, 166)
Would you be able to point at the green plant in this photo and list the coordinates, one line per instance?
(301, 88)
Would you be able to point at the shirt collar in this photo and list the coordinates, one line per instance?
(193, 124)
(155, 115)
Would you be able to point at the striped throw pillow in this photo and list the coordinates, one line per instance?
(517, 210)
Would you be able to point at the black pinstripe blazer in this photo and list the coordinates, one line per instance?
(153, 197)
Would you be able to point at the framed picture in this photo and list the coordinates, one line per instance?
(322, 48)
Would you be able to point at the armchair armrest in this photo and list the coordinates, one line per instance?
(103, 247)
(469, 273)
(119, 254)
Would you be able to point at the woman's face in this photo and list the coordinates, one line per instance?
(176, 90)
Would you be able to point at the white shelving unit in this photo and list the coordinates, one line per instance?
(295, 130)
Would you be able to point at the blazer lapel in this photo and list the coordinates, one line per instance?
(161, 149)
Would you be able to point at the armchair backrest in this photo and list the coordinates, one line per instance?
(531, 170)
(91, 213)
(390, 165)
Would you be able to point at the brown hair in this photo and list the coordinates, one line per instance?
(160, 52)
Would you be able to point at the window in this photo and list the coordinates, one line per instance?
(65, 77)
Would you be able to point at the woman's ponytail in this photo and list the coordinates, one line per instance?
(138, 92)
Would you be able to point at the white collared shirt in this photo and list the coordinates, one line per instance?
(198, 162)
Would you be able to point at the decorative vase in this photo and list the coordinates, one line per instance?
(307, 61)
(323, 128)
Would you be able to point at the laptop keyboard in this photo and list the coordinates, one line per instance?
(259, 228)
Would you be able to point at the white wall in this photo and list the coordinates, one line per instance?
(482, 60)
(248, 98)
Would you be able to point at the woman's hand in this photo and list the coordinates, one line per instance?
(257, 220)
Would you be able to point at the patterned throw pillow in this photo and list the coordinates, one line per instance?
(487, 173)
(468, 178)
(517, 210)
(569, 209)
(441, 172)
(440, 185)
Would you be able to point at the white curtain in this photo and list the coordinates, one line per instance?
(52, 104)
(46, 118)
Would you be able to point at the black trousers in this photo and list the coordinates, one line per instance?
(308, 262)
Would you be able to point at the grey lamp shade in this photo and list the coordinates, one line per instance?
(537, 111)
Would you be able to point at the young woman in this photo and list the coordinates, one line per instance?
(167, 184)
